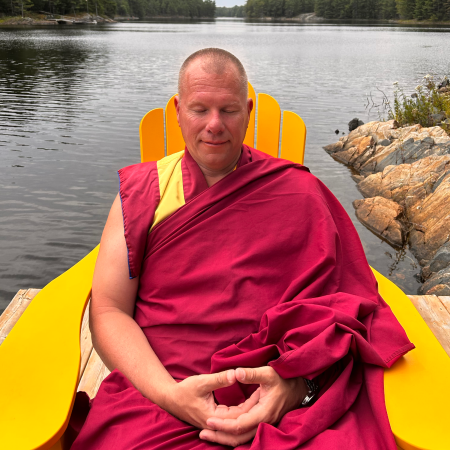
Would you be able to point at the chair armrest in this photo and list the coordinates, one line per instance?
(40, 360)
(416, 387)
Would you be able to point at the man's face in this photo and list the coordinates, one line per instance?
(213, 114)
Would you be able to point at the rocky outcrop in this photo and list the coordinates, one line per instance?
(404, 175)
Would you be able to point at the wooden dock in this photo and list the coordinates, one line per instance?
(434, 310)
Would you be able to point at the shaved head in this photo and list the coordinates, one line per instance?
(214, 61)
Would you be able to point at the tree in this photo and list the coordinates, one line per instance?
(21, 6)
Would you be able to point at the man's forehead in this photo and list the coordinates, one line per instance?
(200, 76)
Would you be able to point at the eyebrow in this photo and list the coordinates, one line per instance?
(200, 103)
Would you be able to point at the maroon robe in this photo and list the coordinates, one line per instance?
(264, 267)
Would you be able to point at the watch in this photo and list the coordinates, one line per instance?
(313, 387)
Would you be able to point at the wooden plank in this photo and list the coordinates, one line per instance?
(293, 138)
(268, 125)
(445, 300)
(250, 134)
(93, 375)
(436, 317)
(151, 132)
(14, 311)
(174, 138)
(85, 342)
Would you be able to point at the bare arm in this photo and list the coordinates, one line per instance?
(116, 336)
(122, 345)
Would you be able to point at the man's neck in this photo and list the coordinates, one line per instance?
(213, 176)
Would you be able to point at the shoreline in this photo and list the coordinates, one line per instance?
(312, 18)
(403, 174)
(39, 19)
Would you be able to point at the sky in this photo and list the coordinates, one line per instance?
(229, 2)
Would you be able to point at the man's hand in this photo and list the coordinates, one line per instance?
(192, 400)
(275, 397)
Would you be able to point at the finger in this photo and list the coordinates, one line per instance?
(209, 383)
(242, 424)
(233, 412)
(258, 375)
(227, 439)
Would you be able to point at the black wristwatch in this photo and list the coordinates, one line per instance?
(312, 391)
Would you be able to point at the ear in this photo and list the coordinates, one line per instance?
(176, 101)
(249, 106)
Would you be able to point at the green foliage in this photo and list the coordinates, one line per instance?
(420, 106)
(278, 8)
(234, 11)
(136, 8)
(435, 10)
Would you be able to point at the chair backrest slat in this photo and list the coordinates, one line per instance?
(174, 138)
(250, 135)
(293, 138)
(268, 126)
(151, 130)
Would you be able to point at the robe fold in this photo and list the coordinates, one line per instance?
(262, 268)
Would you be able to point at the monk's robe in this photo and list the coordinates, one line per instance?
(262, 268)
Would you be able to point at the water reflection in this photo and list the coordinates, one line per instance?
(71, 101)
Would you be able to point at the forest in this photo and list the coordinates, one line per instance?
(234, 11)
(435, 10)
(111, 8)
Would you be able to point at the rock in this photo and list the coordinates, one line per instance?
(438, 117)
(445, 82)
(438, 284)
(378, 130)
(336, 131)
(333, 148)
(404, 173)
(407, 151)
(383, 217)
(360, 146)
(440, 261)
(433, 214)
(354, 123)
(407, 184)
(357, 178)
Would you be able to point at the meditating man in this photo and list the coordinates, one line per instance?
(232, 299)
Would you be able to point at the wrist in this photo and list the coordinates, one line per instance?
(163, 394)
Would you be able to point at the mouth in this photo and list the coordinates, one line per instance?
(215, 144)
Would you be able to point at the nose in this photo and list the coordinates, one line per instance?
(215, 124)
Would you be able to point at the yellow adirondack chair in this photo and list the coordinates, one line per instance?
(40, 358)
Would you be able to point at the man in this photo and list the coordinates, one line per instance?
(231, 286)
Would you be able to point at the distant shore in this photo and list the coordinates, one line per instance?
(33, 19)
(313, 18)
(41, 19)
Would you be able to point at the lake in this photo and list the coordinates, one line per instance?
(71, 99)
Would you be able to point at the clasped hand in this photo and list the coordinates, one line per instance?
(192, 400)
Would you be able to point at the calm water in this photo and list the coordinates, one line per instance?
(71, 100)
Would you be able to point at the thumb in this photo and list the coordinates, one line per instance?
(217, 380)
(258, 375)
